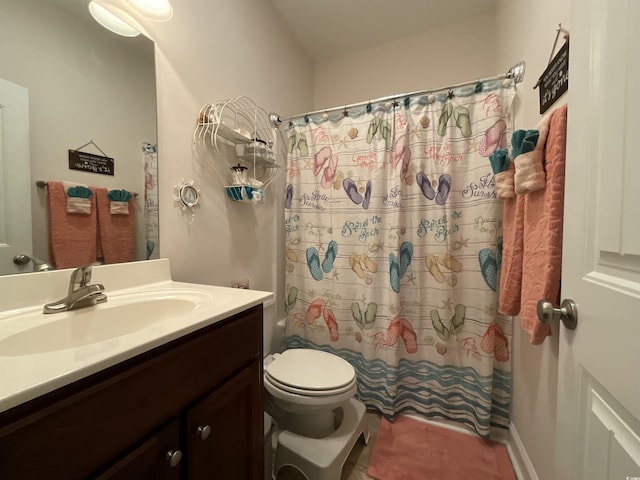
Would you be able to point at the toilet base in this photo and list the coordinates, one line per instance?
(318, 424)
(323, 458)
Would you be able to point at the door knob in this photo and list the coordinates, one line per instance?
(174, 457)
(21, 259)
(568, 313)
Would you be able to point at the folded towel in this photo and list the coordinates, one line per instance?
(119, 195)
(72, 237)
(543, 216)
(504, 183)
(499, 160)
(79, 191)
(529, 148)
(119, 208)
(78, 198)
(78, 205)
(119, 202)
(116, 232)
(504, 172)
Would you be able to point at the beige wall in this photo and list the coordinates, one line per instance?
(526, 32)
(451, 53)
(207, 52)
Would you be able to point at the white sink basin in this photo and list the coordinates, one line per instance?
(121, 315)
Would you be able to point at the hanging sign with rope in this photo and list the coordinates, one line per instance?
(554, 81)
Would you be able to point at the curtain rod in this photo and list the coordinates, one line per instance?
(42, 184)
(516, 72)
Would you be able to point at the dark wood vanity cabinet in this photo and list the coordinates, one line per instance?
(221, 431)
(157, 458)
(190, 409)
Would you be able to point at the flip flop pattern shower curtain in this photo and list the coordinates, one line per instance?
(393, 245)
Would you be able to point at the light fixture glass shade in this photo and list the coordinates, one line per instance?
(160, 10)
(111, 21)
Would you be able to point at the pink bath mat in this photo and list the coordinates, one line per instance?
(407, 449)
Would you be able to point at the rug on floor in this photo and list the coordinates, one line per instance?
(407, 449)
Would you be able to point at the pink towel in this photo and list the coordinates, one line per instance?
(72, 236)
(543, 214)
(117, 233)
(512, 244)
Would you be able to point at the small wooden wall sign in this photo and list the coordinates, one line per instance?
(88, 162)
(554, 81)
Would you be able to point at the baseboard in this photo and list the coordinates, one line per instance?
(519, 458)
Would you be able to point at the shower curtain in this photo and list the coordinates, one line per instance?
(151, 211)
(393, 245)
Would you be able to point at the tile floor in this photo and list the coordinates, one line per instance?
(355, 468)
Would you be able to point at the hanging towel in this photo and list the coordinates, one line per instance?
(512, 244)
(116, 232)
(119, 202)
(504, 172)
(530, 175)
(78, 198)
(543, 214)
(72, 237)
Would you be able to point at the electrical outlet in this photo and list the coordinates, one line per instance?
(244, 283)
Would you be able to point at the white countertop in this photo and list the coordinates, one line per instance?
(26, 373)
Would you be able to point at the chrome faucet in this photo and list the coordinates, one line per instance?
(81, 293)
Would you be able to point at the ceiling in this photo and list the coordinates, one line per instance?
(330, 28)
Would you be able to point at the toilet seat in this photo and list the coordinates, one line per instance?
(311, 393)
(310, 372)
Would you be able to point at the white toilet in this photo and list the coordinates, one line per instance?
(309, 385)
(323, 420)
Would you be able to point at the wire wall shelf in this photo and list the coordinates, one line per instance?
(236, 139)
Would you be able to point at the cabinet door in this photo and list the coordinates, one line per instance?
(224, 431)
(157, 458)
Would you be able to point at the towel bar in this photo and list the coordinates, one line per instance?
(42, 184)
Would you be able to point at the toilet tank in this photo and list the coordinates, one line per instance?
(273, 330)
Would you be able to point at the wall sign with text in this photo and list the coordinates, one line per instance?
(88, 162)
(554, 81)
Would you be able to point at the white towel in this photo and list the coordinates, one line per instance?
(76, 204)
(530, 175)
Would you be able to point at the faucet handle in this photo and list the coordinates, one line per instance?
(80, 277)
(86, 275)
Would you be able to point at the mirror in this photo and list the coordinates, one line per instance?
(189, 195)
(84, 84)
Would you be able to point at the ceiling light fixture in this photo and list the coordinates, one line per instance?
(159, 10)
(111, 21)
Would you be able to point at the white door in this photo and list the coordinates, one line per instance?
(599, 362)
(15, 178)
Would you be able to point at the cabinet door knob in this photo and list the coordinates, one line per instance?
(174, 457)
(204, 432)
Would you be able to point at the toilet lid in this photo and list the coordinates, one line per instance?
(306, 369)
(305, 392)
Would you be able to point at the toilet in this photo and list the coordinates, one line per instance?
(316, 391)
(309, 385)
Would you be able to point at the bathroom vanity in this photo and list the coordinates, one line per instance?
(184, 403)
